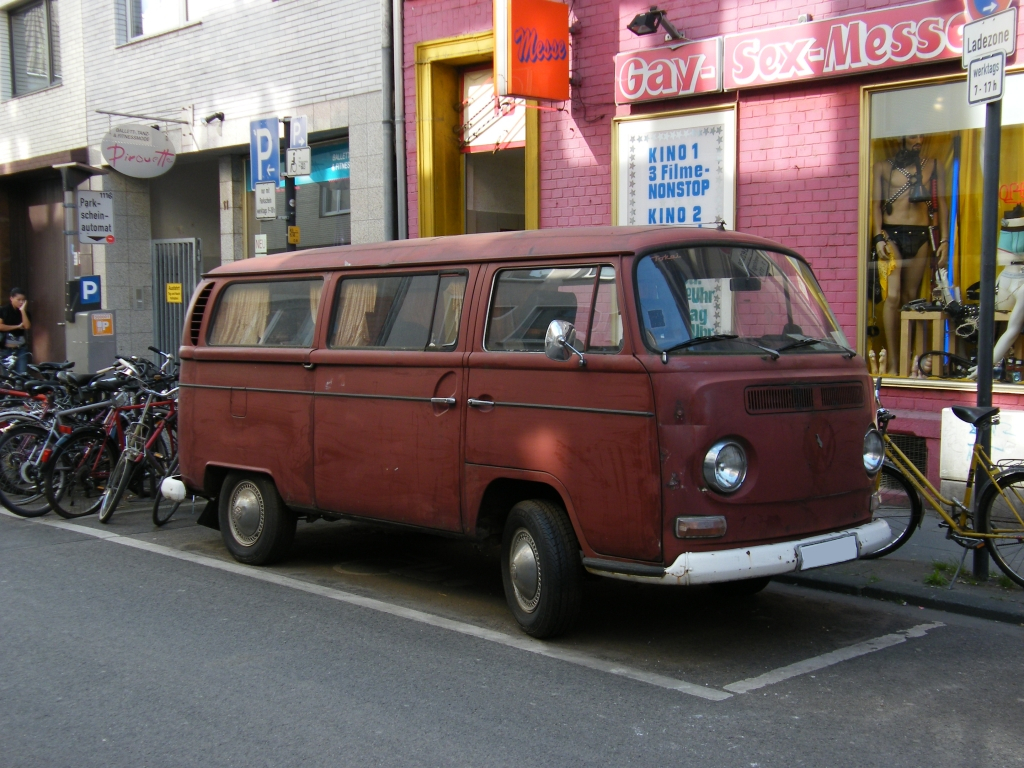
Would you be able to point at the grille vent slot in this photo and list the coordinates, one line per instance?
(197, 314)
(779, 399)
(842, 395)
(788, 398)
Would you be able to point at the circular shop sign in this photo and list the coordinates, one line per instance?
(140, 151)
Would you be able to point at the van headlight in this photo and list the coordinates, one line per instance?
(725, 466)
(874, 451)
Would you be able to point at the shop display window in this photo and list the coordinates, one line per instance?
(924, 232)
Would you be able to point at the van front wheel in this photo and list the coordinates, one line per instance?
(256, 525)
(540, 568)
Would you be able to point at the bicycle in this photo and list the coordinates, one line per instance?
(996, 521)
(140, 439)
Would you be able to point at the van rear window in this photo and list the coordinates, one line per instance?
(267, 314)
(525, 301)
(410, 312)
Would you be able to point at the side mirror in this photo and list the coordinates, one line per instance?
(560, 342)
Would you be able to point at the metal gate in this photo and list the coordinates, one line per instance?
(176, 270)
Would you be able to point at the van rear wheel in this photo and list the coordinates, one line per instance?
(540, 568)
(255, 524)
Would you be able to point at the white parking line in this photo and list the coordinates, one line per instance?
(520, 642)
(828, 659)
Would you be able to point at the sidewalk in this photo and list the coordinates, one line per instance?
(919, 574)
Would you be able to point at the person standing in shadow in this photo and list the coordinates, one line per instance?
(14, 322)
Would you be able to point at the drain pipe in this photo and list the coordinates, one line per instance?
(387, 81)
(398, 72)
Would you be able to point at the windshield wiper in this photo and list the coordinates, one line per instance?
(701, 340)
(717, 337)
(848, 353)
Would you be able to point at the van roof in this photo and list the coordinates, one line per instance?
(494, 246)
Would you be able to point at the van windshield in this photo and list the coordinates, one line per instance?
(748, 296)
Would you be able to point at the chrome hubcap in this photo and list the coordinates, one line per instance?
(246, 514)
(524, 568)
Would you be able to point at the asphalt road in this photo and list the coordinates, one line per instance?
(368, 647)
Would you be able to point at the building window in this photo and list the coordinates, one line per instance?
(35, 46)
(924, 224)
(149, 17)
(334, 198)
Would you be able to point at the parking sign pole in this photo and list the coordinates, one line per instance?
(289, 186)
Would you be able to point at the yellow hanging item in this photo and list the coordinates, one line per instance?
(886, 266)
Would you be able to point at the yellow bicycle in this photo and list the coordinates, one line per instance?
(995, 522)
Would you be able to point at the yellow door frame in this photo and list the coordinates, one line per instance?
(439, 162)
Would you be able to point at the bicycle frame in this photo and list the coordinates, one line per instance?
(961, 524)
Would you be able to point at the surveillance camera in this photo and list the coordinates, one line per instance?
(210, 118)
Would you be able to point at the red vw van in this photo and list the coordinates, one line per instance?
(661, 404)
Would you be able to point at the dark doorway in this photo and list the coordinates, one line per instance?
(37, 261)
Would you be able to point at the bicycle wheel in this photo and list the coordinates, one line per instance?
(896, 501)
(1003, 513)
(116, 487)
(76, 476)
(22, 450)
(164, 509)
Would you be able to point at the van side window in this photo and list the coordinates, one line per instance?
(267, 314)
(411, 312)
(525, 301)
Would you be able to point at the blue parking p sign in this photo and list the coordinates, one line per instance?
(265, 151)
(89, 293)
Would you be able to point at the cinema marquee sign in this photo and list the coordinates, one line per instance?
(863, 42)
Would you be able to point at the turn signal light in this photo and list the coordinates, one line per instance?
(701, 527)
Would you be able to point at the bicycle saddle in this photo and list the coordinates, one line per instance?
(109, 384)
(75, 379)
(39, 387)
(974, 415)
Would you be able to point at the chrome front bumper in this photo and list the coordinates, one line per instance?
(751, 562)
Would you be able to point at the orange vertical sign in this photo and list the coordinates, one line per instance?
(531, 49)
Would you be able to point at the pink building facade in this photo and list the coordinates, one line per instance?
(806, 150)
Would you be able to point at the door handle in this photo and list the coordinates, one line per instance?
(442, 401)
(473, 403)
(309, 366)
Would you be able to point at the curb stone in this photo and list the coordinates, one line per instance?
(951, 601)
